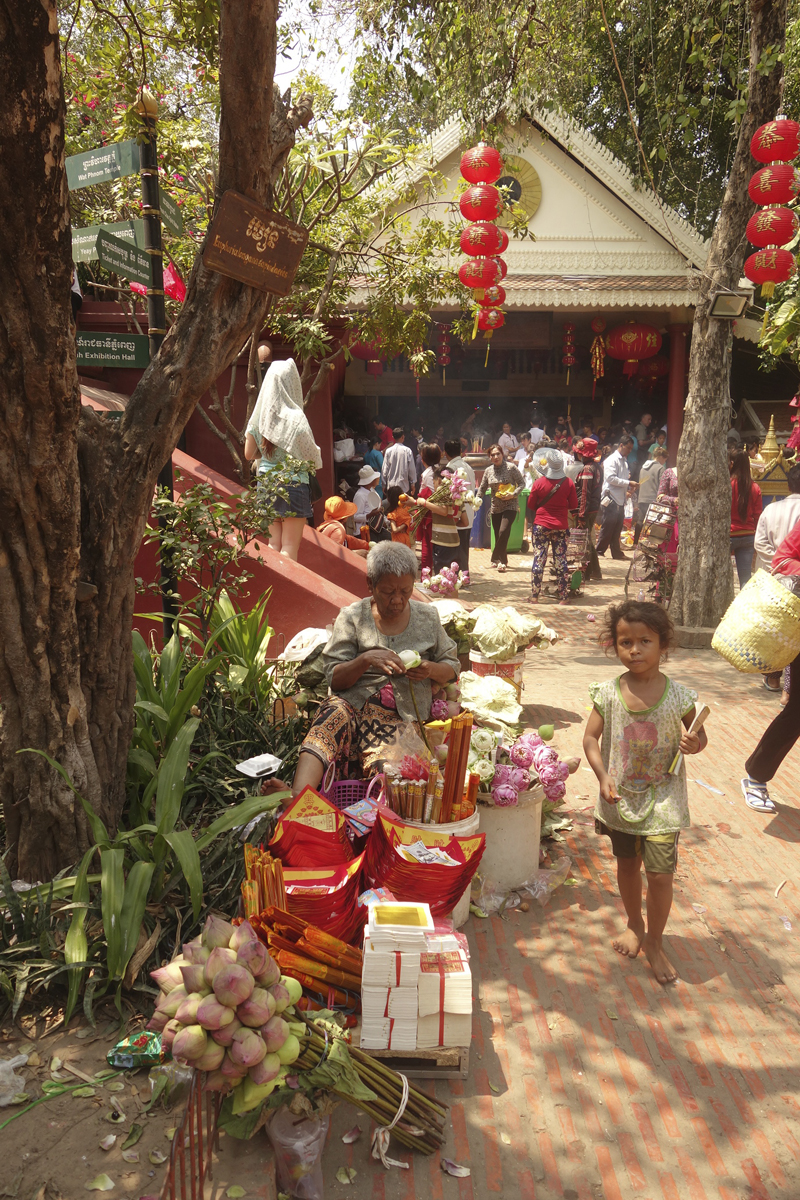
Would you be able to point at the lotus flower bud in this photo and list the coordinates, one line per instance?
(217, 932)
(441, 753)
(259, 1009)
(212, 1059)
(281, 996)
(190, 1043)
(232, 1070)
(452, 691)
(265, 1071)
(274, 1033)
(289, 1051)
(546, 732)
(247, 1047)
(504, 796)
(521, 755)
(531, 739)
(224, 1035)
(233, 985)
(158, 1021)
(196, 952)
(194, 979)
(168, 1035)
(410, 659)
(293, 987)
(215, 1081)
(270, 975)
(170, 1003)
(253, 956)
(241, 935)
(573, 764)
(217, 959)
(213, 1015)
(168, 977)
(187, 1013)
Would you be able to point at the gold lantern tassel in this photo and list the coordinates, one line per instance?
(475, 325)
(488, 336)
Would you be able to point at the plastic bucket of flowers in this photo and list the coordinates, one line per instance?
(510, 668)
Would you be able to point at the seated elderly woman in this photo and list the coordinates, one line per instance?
(371, 688)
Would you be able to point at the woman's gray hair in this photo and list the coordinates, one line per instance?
(390, 558)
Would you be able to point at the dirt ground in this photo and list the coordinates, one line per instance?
(587, 1079)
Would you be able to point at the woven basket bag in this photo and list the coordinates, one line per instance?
(760, 632)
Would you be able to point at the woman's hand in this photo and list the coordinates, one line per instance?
(438, 672)
(690, 743)
(383, 661)
(423, 671)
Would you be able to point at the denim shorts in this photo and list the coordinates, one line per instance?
(296, 504)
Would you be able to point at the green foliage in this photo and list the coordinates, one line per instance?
(242, 640)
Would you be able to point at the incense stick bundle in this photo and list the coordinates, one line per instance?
(319, 971)
(456, 764)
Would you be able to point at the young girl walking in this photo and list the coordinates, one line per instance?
(637, 725)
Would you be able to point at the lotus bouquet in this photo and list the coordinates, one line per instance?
(528, 760)
(220, 1011)
(445, 583)
(453, 492)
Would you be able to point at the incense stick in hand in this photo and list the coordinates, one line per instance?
(700, 718)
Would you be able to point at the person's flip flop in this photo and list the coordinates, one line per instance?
(757, 797)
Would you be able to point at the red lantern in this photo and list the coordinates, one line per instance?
(654, 368)
(631, 343)
(598, 325)
(481, 164)
(482, 238)
(478, 272)
(481, 203)
(374, 368)
(490, 319)
(501, 263)
(768, 267)
(370, 353)
(569, 360)
(495, 295)
(772, 227)
(777, 141)
(776, 184)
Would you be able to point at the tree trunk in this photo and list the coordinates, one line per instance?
(75, 488)
(704, 581)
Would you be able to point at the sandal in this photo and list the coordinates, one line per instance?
(501, 566)
(533, 600)
(756, 796)
(775, 675)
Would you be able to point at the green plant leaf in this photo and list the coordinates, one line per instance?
(187, 854)
(112, 897)
(99, 831)
(156, 709)
(172, 777)
(137, 887)
(76, 945)
(240, 815)
(143, 759)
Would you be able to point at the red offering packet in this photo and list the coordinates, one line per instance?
(312, 832)
(437, 884)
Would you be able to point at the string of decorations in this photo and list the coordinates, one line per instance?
(568, 358)
(443, 355)
(597, 352)
(777, 183)
(481, 204)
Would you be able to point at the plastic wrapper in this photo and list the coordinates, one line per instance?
(542, 886)
(298, 1146)
(171, 1081)
(11, 1085)
(488, 897)
(139, 1050)
(491, 699)
(406, 742)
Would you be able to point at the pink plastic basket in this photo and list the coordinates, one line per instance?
(345, 792)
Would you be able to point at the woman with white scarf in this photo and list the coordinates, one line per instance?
(279, 429)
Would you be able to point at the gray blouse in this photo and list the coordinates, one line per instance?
(355, 632)
(492, 478)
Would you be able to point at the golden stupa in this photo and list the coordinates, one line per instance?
(770, 474)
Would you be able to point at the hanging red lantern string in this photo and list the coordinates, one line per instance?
(777, 144)
(631, 343)
(568, 358)
(481, 204)
(444, 351)
(597, 352)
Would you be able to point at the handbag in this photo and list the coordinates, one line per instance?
(314, 487)
(760, 632)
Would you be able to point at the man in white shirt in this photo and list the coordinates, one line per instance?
(457, 463)
(616, 482)
(521, 458)
(536, 435)
(777, 521)
(398, 464)
(507, 442)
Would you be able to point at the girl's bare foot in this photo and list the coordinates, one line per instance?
(662, 967)
(629, 943)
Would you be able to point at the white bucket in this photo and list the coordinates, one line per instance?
(465, 828)
(510, 669)
(512, 840)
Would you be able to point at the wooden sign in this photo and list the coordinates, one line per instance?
(170, 212)
(125, 258)
(84, 241)
(103, 164)
(255, 246)
(111, 349)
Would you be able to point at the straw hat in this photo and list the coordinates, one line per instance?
(367, 475)
(337, 508)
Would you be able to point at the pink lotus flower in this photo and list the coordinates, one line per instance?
(543, 756)
(521, 755)
(563, 771)
(520, 778)
(549, 775)
(439, 710)
(555, 792)
(502, 774)
(505, 795)
(531, 739)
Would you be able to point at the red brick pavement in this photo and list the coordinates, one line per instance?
(587, 1078)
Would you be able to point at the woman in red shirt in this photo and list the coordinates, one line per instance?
(550, 502)
(746, 506)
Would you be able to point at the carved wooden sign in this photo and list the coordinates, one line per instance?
(255, 246)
